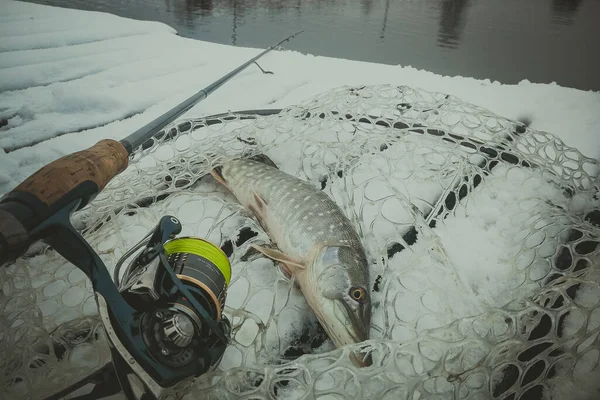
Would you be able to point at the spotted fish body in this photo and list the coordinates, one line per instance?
(316, 243)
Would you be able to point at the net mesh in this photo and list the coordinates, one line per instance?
(482, 236)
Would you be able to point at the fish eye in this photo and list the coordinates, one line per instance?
(358, 294)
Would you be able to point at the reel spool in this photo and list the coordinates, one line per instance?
(204, 268)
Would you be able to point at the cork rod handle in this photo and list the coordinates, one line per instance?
(76, 177)
(99, 164)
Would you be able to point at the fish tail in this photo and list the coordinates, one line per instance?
(217, 173)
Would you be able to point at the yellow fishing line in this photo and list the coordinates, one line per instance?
(201, 248)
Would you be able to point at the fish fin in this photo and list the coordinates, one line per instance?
(252, 254)
(260, 203)
(217, 173)
(274, 254)
(259, 209)
(261, 158)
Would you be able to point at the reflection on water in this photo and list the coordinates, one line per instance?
(564, 11)
(187, 11)
(452, 21)
(504, 40)
(385, 17)
(367, 5)
(235, 23)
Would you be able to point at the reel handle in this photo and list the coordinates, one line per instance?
(77, 176)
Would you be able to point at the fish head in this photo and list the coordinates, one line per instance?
(340, 294)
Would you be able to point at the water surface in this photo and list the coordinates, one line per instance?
(504, 40)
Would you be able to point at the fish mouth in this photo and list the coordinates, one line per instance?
(360, 321)
(350, 327)
(361, 359)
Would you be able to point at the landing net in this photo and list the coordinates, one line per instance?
(482, 236)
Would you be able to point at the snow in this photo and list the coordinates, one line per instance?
(69, 78)
(519, 195)
(79, 76)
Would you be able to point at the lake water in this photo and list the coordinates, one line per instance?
(505, 40)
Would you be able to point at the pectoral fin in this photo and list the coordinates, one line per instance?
(290, 264)
(252, 253)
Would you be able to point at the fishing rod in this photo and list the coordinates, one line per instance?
(163, 317)
(141, 135)
(83, 174)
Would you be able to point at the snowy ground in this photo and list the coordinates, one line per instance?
(65, 85)
(79, 76)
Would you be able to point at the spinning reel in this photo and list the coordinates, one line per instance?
(173, 330)
(163, 313)
(176, 288)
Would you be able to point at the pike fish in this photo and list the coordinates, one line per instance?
(316, 243)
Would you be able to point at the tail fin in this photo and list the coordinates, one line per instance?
(217, 173)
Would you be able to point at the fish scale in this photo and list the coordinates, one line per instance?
(292, 202)
(316, 243)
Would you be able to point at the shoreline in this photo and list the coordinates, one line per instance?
(104, 76)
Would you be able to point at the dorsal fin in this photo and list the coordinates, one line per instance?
(261, 158)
